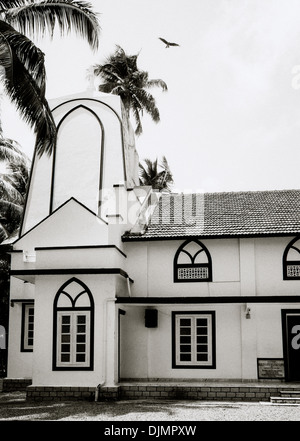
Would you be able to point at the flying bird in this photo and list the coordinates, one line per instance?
(167, 43)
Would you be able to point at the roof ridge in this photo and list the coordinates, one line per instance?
(232, 192)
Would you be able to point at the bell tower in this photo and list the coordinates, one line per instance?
(95, 151)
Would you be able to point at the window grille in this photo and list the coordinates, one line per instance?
(293, 270)
(194, 339)
(291, 260)
(192, 263)
(73, 329)
(193, 273)
(27, 327)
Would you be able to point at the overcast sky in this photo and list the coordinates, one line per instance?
(230, 120)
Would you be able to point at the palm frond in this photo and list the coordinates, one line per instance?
(15, 209)
(44, 16)
(157, 83)
(29, 55)
(122, 77)
(136, 113)
(150, 175)
(10, 151)
(8, 192)
(24, 91)
(8, 4)
(3, 232)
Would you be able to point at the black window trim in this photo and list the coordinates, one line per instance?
(286, 263)
(23, 321)
(213, 330)
(73, 308)
(192, 265)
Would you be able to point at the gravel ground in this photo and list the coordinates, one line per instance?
(14, 407)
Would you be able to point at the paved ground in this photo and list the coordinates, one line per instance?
(14, 407)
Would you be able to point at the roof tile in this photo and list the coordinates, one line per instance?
(224, 214)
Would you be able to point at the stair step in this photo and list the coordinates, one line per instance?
(285, 400)
(290, 392)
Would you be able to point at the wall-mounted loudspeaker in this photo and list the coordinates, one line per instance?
(151, 318)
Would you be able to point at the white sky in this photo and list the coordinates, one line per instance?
(230, 120)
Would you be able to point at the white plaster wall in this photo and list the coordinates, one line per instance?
(78, 156)
(269, 273)
(71, 225)
(247, 267)
(77, 160)
(104, 106)
(102, 288)
(133, 343)
(147, 352)
(269, 329)
(19, 363)
(80, 258)
(38, 198)
(153, 275)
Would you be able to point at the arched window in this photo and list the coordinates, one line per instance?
(73, 330)
(291, 260)
(192, 263)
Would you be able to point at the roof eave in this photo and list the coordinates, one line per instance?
(143, 238)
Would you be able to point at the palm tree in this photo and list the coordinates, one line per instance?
(158, 180)
(13, 187)
(22, 63)
(122, 77)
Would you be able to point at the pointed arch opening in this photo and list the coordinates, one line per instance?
(77, 169)
(192, 263)
(73, 327)
(291, 260)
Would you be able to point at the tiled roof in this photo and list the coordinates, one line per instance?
(223, 214)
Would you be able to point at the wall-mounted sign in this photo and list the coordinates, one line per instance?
(270, 368)
(2, 337)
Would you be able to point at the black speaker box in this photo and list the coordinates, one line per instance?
(151, 318)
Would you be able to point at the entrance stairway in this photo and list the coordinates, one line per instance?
(287, 397)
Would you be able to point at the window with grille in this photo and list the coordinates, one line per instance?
(73, 329)
(27, 327)
(73, 338)
(291, 260)
(192, 263)
(194, 339)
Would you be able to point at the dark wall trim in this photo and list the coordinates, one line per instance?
(206, 300)
(29, 301)
(47, 272)
(140, 238)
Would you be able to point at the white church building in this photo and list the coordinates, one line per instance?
(121, 291)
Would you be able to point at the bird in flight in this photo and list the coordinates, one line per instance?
(167, 43)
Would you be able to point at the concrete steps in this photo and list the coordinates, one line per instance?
(287, 397)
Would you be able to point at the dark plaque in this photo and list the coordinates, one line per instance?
(270, 368)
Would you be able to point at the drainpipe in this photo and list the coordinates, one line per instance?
(128, 287)
(97, 391)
